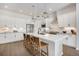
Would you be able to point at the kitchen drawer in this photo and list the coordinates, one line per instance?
(2, 38)
(70, 41)
(10, 37)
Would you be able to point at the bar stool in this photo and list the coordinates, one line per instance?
(24, 42)
(28, 43)
(38, 47)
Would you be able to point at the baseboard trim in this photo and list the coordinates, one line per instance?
(10, 42)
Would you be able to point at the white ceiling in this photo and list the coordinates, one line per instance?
(32, 8)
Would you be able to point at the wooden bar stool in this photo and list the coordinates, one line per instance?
(24, 42)
(28, 43)
(38, 47)
(32, 46)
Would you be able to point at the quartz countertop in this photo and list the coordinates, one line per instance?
(50, 37)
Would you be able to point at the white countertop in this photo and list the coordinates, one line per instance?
(50, 37)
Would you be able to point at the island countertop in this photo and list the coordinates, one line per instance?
(50, 37)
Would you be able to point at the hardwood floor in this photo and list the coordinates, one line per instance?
(70, 51)
(13, 49)
(17, 49)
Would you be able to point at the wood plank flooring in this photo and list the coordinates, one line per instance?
(17, 49)
(70, 51)
(13, 49)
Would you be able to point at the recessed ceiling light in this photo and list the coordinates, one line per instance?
(20, 10)
(30, 13)
(5, 6)
(50, 9)
(33, 5)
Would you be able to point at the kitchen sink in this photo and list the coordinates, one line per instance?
(54, 33)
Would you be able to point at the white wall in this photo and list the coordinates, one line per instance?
(11, 19)
(77, 18)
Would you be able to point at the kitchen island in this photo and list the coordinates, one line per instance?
(55, 43)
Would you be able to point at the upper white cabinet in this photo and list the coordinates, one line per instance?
(67, 16)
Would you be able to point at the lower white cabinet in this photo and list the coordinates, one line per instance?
(70, 41)
(10, 37)
(2, 38)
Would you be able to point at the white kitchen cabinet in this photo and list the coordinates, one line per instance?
(2, 38)
(66, 20)
(18, 36)
(10, 37)
(70, 41)
(67, 16)
(61, 21)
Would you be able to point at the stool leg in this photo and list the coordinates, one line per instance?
(47, 50)
(40, 51)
